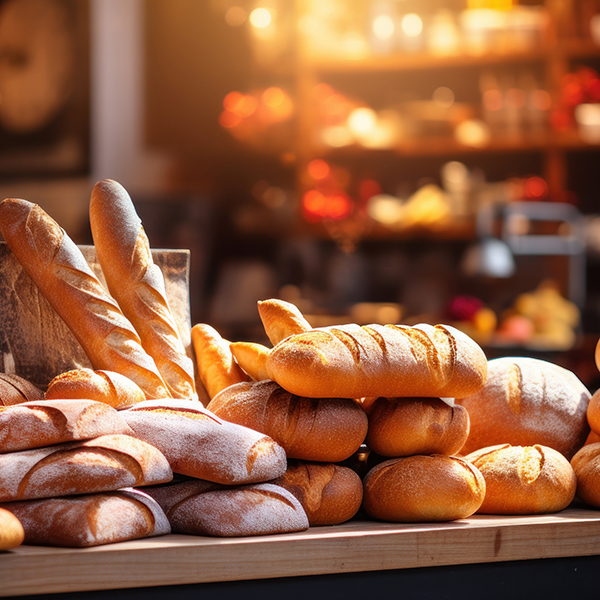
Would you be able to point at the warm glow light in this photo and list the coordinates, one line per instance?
(245, 106)
(535, 188)
(412, 25)
(229, 120)
(260, 18)
(473, 133)
(443, 96)
(318, 169)
(273, 96)
(235, 16)
(492, 99)
(362, 120)
(383, 27)
(230, 101)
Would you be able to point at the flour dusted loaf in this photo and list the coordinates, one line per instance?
(37, 424)
(524, 480)
(12, 533)
(350, 361)
(424, 488)
(198, 507)
(586, 464)
(319, 429)
(90, 519)
(15, 389)
(528, 401)
(199, 444)
(106, 463)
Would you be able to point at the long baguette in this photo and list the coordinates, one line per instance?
(394, 361)
(58, 268)
(137, 283)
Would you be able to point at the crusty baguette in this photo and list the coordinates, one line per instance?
(12, 533)
(137, 283)
(109, 387)
(38, 424)
(252, 358)
(198, 507)
(90, 519)
(321, 429)
(58, 268)
(217, 367)
(281, 319)
(198, 443)
(586, 464)
(350, 361)
(104, 464)
(15, 389)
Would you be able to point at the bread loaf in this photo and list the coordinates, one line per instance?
(281, 319)
(522, 480)
(199, 444)
(394, 361)
(91, 519)
(586, 464)
(528, 401)
(58, 268)
(319, 429)
(12, 533)
(15, 389)
(102, 386)
(38, 424)
(593, 412)
(330, 494)
(407, 426)
(137, 283)
(423, 488)
(104, 464)
(202, 508)
(252, 358)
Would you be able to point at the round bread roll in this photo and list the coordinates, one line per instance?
(592, 438)
(593, 412)
(586, 464)
(15, 389)
(407, 426)
(315, 429)
(528, 401)
(524, 480)
(330, 494)
(423, 488)
(12, 533)
(109, 387)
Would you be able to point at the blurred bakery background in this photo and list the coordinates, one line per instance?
(368, 160)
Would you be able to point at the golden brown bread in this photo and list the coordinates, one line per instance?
(528, 401)
(330, 494)
(523, 480)
(423, 488)
(137, 283)
(15, 389)
(109, 387)
(281, 319)
(586, 464)
(252, 358)
(320, 429)
(592, 438)
(38, 424)
(104, 464)
(12, 533)
(90, 519)
(199, 444)
(58, 268)
(407, 426)
(350, 361)
(198, 507)
(593, 412)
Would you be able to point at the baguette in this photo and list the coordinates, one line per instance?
(137, 283)
(15, 389)
(58, 268)
(104, 464)
(90, 519)
(199, 507)
(199, 444)
(317, 429)
(38, 424)
(281, 319)
(252, 358)
(349, 361)
(12, 533)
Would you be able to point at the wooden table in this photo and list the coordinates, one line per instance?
(356, 546)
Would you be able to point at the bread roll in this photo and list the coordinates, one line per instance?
(12, 533)
(586, 464)
(593, 412)
(524, 480)
(137, 283)
(407, 426)
(252, 358)
(281, 319)
(58, 268)
(15, 389)
(104, 464)
(103, 386)
(592, 438)
(423, 488)
(199, 444)
(319, 429)
(91, 519)
(528, 401)
(202, 508)
(38, 424)
(394, 361)
(330, 494)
